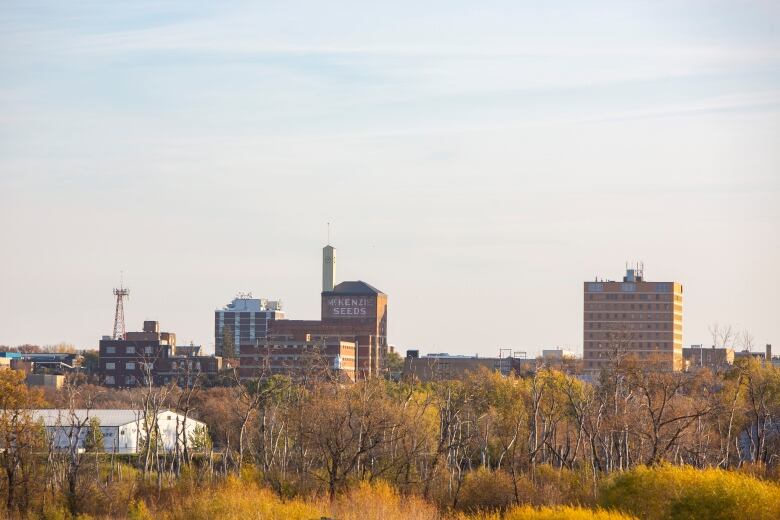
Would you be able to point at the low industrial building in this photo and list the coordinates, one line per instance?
(443, 366)
(715, 359)
(299, 358)
(55, 381)
(122, 430)
(557, 354)
(41, 362)
(763, 357)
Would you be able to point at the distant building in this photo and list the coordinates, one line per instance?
(354, 312)
(189, 350)
(122, 429)
(763, 357)
(55, 381)
(442, 366)
(716, 359)
(633, 317)
(40, 363)
(150, 353)
(299, 358)
(247, 318)
(557, 354)
(562, 360)
(351, 311)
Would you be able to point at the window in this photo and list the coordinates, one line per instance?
(110, 350)
(130, 350)
(110, 366)
(109, 380)
(148, 350)
(130, 366)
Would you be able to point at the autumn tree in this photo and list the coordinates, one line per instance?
(228, 343)
(21, 435)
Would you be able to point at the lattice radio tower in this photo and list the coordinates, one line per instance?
(119, 315)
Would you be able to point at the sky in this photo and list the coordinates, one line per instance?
(477, 161)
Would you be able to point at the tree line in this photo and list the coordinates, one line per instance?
(430, 440)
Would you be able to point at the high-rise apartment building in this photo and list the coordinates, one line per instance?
(632, 318)
(247, 318)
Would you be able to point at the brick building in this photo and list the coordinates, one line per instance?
(150, 353)
(716, 359)
(299, 358)
(353, 312)
(632, 318)
(442, 367)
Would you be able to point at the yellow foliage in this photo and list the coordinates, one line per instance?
(553, 486)
(380, 501)
(236, 499)
(486, 490)
(552, 513)
(682, 492)
(139, 511)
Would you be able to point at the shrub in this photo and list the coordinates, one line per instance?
(556, 486)
(238, 499)
(486, 490)
(380, 501)
(552, 513)
(679, 492)
(139, 511)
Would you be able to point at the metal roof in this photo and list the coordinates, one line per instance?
(113, 417)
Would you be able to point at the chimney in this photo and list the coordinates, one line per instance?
(768, 352)
(151, 326)
(328, 268)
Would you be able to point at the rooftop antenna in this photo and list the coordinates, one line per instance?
(119, 315)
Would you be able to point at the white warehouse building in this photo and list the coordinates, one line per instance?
(122, 429)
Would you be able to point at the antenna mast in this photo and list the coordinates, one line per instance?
(119, 314)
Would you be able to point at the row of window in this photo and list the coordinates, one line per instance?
(589, 346)
(645, 297)
(130, 349)
(627, 306)
(299, 347)
(130, 365)
(129, 380)
(188, 364)
(617, 316)
(290, 357)
(624, 325)
(641, 336)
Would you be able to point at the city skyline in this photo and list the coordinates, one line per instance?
(474, 160)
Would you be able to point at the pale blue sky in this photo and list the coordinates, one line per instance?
(479, 161)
